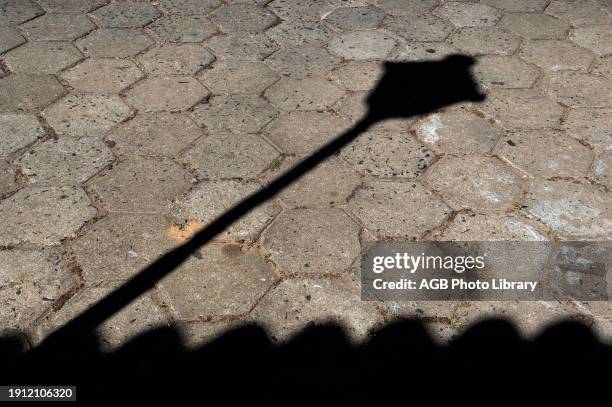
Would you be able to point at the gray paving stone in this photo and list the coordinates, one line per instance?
(301, 62)
(355, 18)
(556, 55)
(65, 161)
(141, 185)
(468, 14)
(299, 32)
(534, 26)
(303, 94)
(393, 209)
(226, 280)
(58, 27)
(72, 6)
(8, 182)
(582, 12)
(234, 114)
(244, 18)
(179, 28)
(592, 126)
(419, 28)
(597, 38)
(114, 43)
(166, 94)
(238, 76)
(407, 7)
(209, 199)
(125, 14)
(353, 106)
(102, 75)
(308, 10)
(425, 51)
(247, 46)
(42, 57)
(471, 226)
(153, 134)
(19, 92)
(183, 59)
(477, 183)
(358, 75)
(518, 6)
(576, 89)
(187, 7)
(86, 115)
(230, 156)
(43, 216)
(484, 40)
(9, 39)
(361, 45)
(496, 71)
(17, 130)
(571, 209)
(602, 170)
(13, 12)
(196, 334)
(603, 66)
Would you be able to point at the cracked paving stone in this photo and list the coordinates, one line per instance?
(299, 32)
(244, 18)
(304, 132)
(42, 57)
(236, 76)
(490, 227)
(582, 12)
(19, 92)
(353, 106)
(177, 28)
(141, 185)
(576, 89)
(86, 115)
(355, 18)
(591, 125)
(226, 280)
(468, 14)
(183, 59)
(534, 26)
(234, 114)
(167, 94)
(65, 161)
(419, 28)
(358, 75)
(125, 14)
(58, 27)
(114, 43)
(495, 71)
(72, 6)
(484, 40)
(307, 10)
(457, 132)
(602, 170)
(9, 39)
(473, 182)
(117, 247)
(13, 12)
(596, 38)
(102, 75)
(8, 182)
(319, 241)
(30, 282)
(247, 46)
(17, 130)
(392, 209)
(522, 108)
(518, 6)
(210, 199)
(425, 51)
(153, 134)
(361, 45)
(44, 216)
(407, 7)
(296, 304)
(302, 62)
(572, 209)
(230, 156)
(547, 154)
(556, 55)
(187, 7)
(303, 94)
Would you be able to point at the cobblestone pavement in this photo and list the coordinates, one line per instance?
(128, 125)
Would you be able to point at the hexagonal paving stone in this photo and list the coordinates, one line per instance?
(362, 45)
(353, 106)
(28, 92)
(477, 183)
(392, 209)
(117, 247)
(187, 7)
(244, 18)
(236, 76)
(125, 14)
(234, 114)
(602, 170)
(65, 161)
(603, 66)
(419, 28)
(484, 40)
(177, 28)
(58, 27)
(591, 125)
(309, 10)
(72, 6)
(534, 26)
(581, 12)
(303, 94)
(17, 130)
(86, 115)
(578, 89)
(9, 39)
(472, 226)
(183, 59)
(547, 153)
(518, 6)
(495, 71)
(31, 280)
(224, 281)
(555, 55)
(210, 199)
(572, 209)
(407, 7)
(522, 108)
(317, 241)
(114, 43)
(43, 216)
(153, 134)
(8, 182)
(42, 57)
(355, 18)
(249, 47)
(597, 38)
(303, 61)
(358, 75)
(303, 132)
(468, 14)
(13, 12)
(299, 32)
(425, 51)
(296, 304)
(102, 75)
(167, 94)
(457, 132)
(230, 156)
